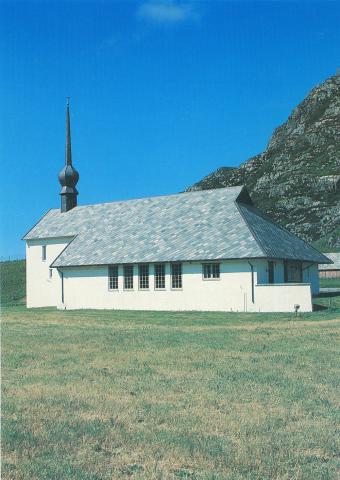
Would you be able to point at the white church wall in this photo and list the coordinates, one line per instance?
(283, 297)
(42, 287)
(87, 287)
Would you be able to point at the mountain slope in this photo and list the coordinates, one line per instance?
(296, 180)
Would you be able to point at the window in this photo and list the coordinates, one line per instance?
(293, 272)
(211, 271)
(43, 253)
(50, 271)
(128, 277)
(270, 272)
(113, 277)
(143, 276)
(159, 276)
(176, 275)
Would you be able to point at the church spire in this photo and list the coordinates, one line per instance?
(68, 153)
(68, 176)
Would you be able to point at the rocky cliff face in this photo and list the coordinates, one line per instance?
(296, 180)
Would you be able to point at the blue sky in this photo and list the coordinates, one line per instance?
(162, 93)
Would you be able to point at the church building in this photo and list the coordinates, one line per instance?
(210, 250)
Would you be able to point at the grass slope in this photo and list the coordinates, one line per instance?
(96, 395)
(13, 282)
(330, 283)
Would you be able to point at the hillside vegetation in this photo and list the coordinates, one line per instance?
(103, 395)
(13, 282)
(296, 180)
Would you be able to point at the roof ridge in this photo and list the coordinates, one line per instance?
(257, 240)
(155, 197)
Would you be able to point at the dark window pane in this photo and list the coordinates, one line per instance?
(211, 270)
(206, 270)
(293, 272)
(215, 270)
(159, 276)
(176, 275)
(128, 277)
(113, 277)
(143, 276)
(270, 272)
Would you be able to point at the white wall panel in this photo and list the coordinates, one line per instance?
(41, 290)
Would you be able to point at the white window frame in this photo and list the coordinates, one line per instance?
(43, 253)
(162, 277)
(211, 277)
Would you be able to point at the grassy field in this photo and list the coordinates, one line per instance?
(96, 395)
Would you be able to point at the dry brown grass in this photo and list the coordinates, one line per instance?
(116, 395)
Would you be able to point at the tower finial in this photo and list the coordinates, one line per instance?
(68, 177)
(68, 151)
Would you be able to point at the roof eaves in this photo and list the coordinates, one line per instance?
(202, 260)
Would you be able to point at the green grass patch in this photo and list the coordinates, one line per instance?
(96, 395)
(330, 282)
(13, 282)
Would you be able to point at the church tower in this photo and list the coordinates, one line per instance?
(68, 176)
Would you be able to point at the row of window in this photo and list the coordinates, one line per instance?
(292, 273)
(210, 271)
(143, 276)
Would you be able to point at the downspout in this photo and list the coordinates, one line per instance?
(252, 282)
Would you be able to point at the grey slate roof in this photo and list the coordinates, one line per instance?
(335, 257)
(277, 242)
(201, 225)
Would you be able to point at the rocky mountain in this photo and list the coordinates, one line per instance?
(296, 180)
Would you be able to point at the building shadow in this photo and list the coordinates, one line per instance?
(318, 307)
